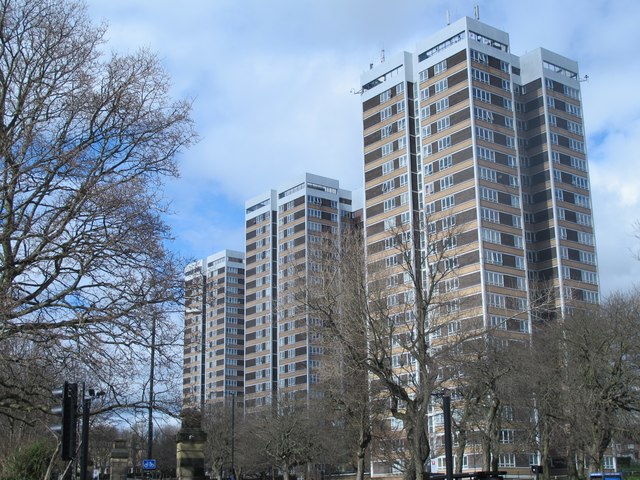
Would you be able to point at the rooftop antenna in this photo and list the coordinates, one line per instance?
(476, 11)
(448, 18)
(382, 56)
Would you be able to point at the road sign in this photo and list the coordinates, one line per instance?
(149, 464)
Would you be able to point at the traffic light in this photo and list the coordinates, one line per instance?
(68, 409)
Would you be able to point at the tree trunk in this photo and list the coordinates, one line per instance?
(418, 442)
(363, 444)
(361, 465)
(486, 453)
(545, 459)
(462, 445)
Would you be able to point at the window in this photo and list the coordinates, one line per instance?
(579, 164)
(510, 141)
(581, 200)
(448, 222)
(479, 57)
(451, 284)
(440, 67)
(506, 436)
(491, 236)
(494, 278)
(497, 321)
(424, 93)
(589, 277)
(481, 95)
(428, 169)
(484, 134)
(425, 112)
(489, 194)
(486, 154)
(573, 109)
(442, 104)
(506, 85)
(389, 204)
(391, 261)
(574, 127)
(446, 182)
(488, 174)
(444, 142)
(495, 300)
(449, 243)
(507, 104)
(390, 223)
(384, 96)
(387, 167)
(402, 124)
(445, 162)
(585, 238)
(517, 221)
(493, 257)
(430, 208)
(576, 145)
(443, 123)
(385, 113)
(483, 114)
(490, 215)
(583, 219)
(424, 75)
(447, 202)
(507, 460)
(400, 106)
(386, 131)
(388, 186)
(480, 75)
(387, 149)
(441, 85)
(551, 102)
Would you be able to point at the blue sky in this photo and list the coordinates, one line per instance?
(271, 81)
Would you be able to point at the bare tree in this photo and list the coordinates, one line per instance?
(335, 288)
(287, 435)
(84, 144)
(582, 382)
(216, 422)
(407, 311)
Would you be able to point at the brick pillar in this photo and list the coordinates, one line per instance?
(190, 447)
(119, 460)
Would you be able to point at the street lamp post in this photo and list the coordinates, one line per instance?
(448, 451)
(87, 396)
(446, 414)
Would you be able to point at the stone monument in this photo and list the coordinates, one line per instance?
(190, 447)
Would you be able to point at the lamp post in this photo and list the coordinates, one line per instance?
(448, 451)
(87, 396)
(446, 414)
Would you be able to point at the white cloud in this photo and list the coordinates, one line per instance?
(271, 81)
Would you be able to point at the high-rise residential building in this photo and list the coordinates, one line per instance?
(214, 329)
(472, 149)
(282, 227)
